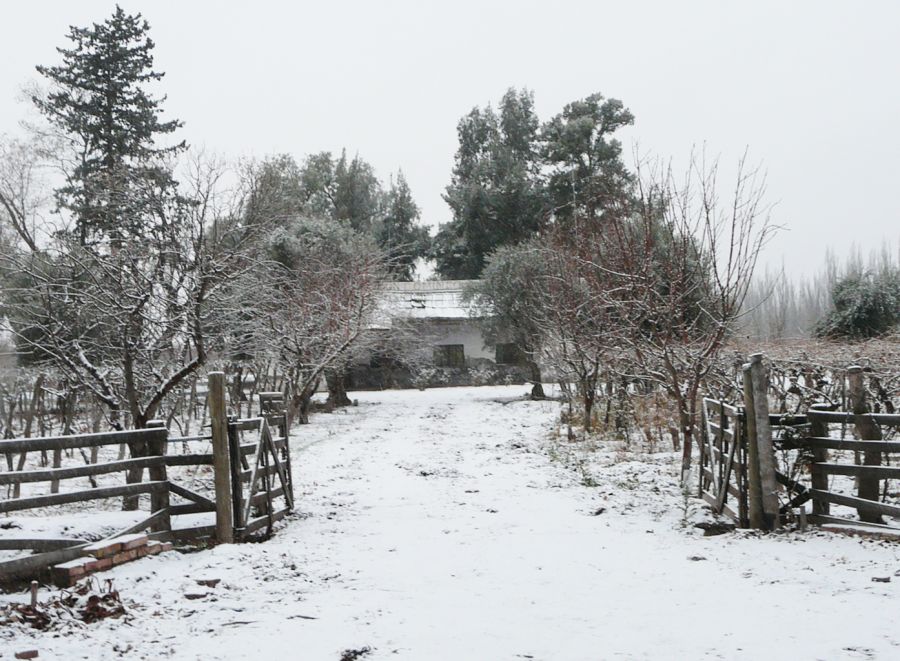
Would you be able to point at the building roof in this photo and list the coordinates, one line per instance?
(434, 299)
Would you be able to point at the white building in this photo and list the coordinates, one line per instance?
(436, 310)
(441, 336)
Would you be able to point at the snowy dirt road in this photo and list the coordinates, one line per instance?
(447, 525)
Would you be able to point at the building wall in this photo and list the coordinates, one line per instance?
(466, 332)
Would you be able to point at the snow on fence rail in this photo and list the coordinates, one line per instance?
(250, 478)
(741, 447)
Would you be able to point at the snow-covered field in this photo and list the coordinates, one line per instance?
(457, 524)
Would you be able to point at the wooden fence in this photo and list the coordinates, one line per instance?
(252, 480)
(740, 472)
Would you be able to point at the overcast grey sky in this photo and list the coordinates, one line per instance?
(813, 88)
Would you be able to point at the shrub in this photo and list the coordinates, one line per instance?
(865, 305)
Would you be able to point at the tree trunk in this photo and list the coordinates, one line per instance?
(537, 388)
(687, 444)
(300, 405)
(588, 396)
(337, 389)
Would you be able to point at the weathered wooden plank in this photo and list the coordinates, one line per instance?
(39, 545)
(841, 444)
(141, 526)
(728, 511)
(249, 424)
(80, 440)
(829, 518)
(754, 490)
(725, 508)
(185, 439)
(710, 498)
(46, 475)
(32, 564)
(247, 474)
(796, 501)
(193, 496)
(33, 502)
(867, 430)
(184, 534)
(721, 407)
(765, 449)
(189, 459)
(717, 429)
(853, 501)
(159, 498)
(191, 508)
(262, 521)
(847, 417)
(818, 428)
(787, 419)
(235, 460)
(286, 484)
(250, 448)
(261, 497)
(791, 484)
(877, 472)
(218, 417)
(255, 472)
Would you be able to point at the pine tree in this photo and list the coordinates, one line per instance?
(588, 174)
(98, 100)
(496, 192)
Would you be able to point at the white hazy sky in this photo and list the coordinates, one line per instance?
(813, 88)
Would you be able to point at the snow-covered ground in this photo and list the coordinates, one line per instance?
(456, 524)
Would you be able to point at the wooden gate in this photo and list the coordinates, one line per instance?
(723, 461)
(261, 480)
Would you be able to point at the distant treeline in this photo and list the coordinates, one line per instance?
(857, 297)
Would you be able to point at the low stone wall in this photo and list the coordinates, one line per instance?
(478, 372)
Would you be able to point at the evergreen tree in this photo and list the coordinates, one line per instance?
(496, 192)
(866, 304)
(99, 101)
(346, 192)
(398, 233)
(357, 193)
(587, 172)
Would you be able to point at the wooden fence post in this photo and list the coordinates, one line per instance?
(755, 379)
(159, 500)
(819, 429)
(218, 418)
(754, 498)
(868, 430)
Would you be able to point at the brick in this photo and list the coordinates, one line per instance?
(132, 541)
(99, 564)
(27, 654)
(103, 549)
(67, 573)
(167, 546)
(154, 547)
(124, 556)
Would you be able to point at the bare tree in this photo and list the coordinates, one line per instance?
(22, 193)
(323, 283)
(129, 321)
(655, 286)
